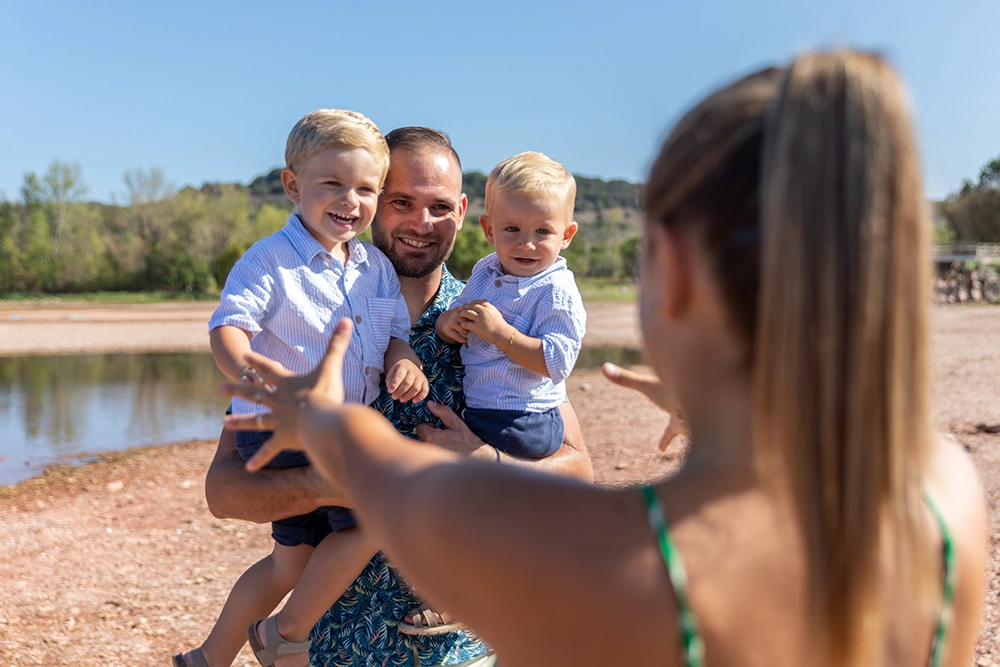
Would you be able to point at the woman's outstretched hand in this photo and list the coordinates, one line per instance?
(652, 388)
(324, 386)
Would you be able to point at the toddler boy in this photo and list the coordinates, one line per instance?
(282, 299)
(520, 316)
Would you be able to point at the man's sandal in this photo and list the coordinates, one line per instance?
(277, 647)
(425, 622)
(197, 659)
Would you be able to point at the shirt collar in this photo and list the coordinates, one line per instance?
(495, 268)
(308, 247)
(449, 288)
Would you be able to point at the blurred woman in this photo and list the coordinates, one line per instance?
(784, 305)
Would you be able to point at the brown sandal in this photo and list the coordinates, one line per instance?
(425, 622)
(277, 647)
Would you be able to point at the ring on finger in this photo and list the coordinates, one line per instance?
(258, 396)
(260, 421)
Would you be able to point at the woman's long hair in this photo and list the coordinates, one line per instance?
(804, 185)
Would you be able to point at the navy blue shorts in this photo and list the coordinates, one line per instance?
(526, 435)
(303, 528)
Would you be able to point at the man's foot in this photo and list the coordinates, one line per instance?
(424, 620)
(273, 650)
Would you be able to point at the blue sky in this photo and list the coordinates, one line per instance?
(208, 91)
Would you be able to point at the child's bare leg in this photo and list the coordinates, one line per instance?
(336, 562)
(254, 596)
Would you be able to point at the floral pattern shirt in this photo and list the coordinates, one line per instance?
(360, 629)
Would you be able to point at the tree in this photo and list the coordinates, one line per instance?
(52, 209)
(974, 211)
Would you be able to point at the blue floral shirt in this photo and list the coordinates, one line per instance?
(360, 629)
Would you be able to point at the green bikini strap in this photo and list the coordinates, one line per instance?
(948, 596)
(691, 640)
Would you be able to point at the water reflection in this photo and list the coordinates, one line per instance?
(64, 406)
(53, 407)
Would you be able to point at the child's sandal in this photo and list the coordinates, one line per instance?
(197, 659)
(277, 647)
(425, 622)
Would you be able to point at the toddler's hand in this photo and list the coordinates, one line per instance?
(406, 382)
(483, 319)
(450, 326)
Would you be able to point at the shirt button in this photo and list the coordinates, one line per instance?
(357, 318)
(497, 283)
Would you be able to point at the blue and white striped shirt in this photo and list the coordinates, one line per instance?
(548, 306)
(289, 292)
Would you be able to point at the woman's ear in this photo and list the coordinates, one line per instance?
(670, 255)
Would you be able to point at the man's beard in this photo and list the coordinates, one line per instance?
(410, 267)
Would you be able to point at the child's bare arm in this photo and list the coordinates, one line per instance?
(450, 328)
(404, 377)
(483, 319)
(229, 345)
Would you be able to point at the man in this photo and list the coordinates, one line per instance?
(420, 212)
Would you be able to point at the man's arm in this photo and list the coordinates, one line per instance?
(571, 460)
(267, 495)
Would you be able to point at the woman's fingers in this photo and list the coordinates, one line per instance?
(649, 385)
(258, 422)
(249, 392)
(332, 366)
(271, 371)
(267, 451)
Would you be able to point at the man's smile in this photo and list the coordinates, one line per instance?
(414, 243)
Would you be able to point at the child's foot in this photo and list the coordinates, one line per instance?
(193, 658)
(424, 620)
(272, 650)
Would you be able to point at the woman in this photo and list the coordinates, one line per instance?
(784, 305)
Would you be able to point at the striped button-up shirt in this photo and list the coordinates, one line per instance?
(548, 306)
(289, 292)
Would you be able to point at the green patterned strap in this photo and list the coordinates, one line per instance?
(694, 646)
(948, 597)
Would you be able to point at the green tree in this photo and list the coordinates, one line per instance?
(470, 247)
(974, 211)
(52, 204)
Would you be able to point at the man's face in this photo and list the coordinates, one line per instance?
(420, 211)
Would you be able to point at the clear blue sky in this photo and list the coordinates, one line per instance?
(208, 91)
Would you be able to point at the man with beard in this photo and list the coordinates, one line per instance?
(420, 212)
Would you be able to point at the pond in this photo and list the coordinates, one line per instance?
(54, 409)
(57, 409)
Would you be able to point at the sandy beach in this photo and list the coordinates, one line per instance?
(120, 562)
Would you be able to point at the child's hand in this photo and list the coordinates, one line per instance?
(406, 382)
(483, 319)
(451, 328)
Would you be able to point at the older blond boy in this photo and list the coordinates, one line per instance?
(520, 316)
(283, 299)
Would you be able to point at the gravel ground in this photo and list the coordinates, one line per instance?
(120, 562)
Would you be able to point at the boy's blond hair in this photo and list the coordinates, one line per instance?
(334, 128)
(532, 175)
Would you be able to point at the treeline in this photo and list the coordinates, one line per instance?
(154, 236)
(592, 194)
(972, 215)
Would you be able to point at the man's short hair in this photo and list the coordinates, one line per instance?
(532, 175)
(421, 140)
(334, 128)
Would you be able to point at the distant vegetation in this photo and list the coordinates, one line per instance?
(972, 215)
(155, 237)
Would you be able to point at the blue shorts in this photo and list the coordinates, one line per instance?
(526, 435)
(303, 528)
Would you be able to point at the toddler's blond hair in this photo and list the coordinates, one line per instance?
(334, 128)
(533, 175)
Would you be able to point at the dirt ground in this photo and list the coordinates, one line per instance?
(120, 562)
